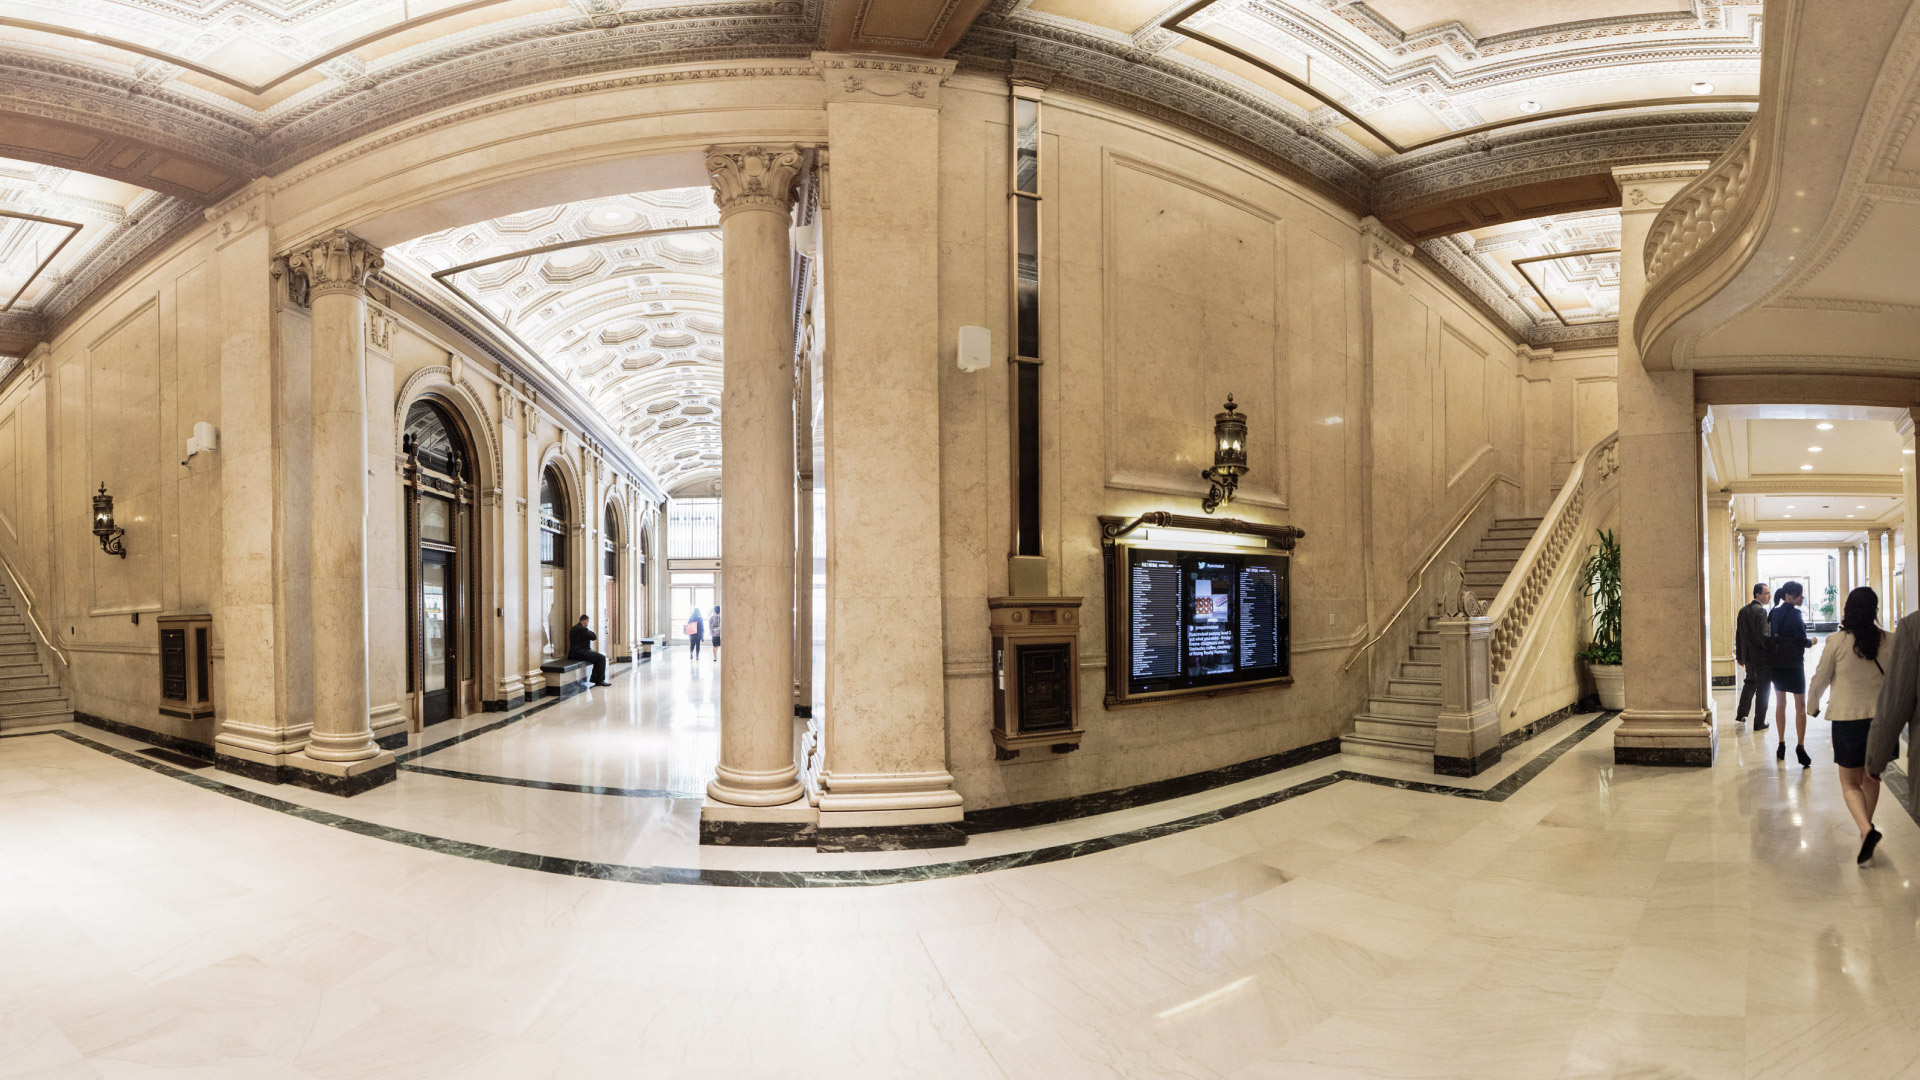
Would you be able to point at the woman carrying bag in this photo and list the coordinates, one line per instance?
(1850, 664)
(1787, 659)
(696, 629)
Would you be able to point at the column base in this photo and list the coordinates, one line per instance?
(793, 824)
(797, 824)
(742, 788)
(1655, 737)
(1466, 743)
(332, 777)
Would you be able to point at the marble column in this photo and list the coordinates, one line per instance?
(1749, 563)
(754, 188)
(1909, 524)
(341, 748)
(1668, 719)
(1843, 566)
(1877, 568)
(261, 723)
(884, 736)
(1723, 603)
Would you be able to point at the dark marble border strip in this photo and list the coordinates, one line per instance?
(803, 879)
(189, 747)
(552, 785)
(1027, 815)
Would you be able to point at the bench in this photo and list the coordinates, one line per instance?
(646, 647)
(565, 677)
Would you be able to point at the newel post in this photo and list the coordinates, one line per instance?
(1466, 740)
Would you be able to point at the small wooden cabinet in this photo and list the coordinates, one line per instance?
(1036, 673)
(186, 666)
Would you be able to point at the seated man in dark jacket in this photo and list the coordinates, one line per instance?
(580, 647)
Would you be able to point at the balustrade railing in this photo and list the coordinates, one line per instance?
(1531, 583)
(1702, 210)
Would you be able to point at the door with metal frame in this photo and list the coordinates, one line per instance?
(438, 643)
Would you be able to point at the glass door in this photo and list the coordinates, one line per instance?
(437, 648)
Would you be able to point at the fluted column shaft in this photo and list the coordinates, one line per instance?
(337, 268)
(753, 186)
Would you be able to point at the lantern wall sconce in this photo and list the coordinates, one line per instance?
(103, 526)
(1229, 457)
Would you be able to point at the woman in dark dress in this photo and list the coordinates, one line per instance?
(1787, 657)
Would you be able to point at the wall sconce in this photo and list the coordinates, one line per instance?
(103, 526)
(1229, 457)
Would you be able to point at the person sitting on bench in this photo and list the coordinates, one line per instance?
(580, 647)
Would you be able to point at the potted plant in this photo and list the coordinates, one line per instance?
(1600, 579)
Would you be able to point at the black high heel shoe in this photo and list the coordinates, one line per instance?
(1780, 752)
(1801, 753)
(1867, 844)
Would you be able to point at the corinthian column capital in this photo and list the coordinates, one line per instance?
(337, 262)
(757, 177)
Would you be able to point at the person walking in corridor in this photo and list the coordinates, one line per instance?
(1750, 652)
(1898, 709)
(713, 627)
(1850, 666)
(696, 632)
(1787, 663)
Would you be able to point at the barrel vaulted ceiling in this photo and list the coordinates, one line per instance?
(631, 321)
(1437, 116)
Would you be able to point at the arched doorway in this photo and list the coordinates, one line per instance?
(553, 561)
(441, 562)
(610, 582)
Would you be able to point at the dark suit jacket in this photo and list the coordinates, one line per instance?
(1750, 635)
(580, 640)
(1899, 704)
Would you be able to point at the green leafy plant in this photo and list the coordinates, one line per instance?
(1600, 579)
(1829, 602)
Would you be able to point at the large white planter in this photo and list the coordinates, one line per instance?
(1610, 683)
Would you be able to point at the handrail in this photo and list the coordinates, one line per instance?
(1526, 583)
(32, 619)
(1420, 575)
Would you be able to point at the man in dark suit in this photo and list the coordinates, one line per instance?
(580, 647)
(1750, 651)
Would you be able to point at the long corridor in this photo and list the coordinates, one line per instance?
(1565, 918)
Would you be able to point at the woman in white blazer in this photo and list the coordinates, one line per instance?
(1850, 666)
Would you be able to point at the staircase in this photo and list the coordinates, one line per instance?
(29, 694)
(1399, 724)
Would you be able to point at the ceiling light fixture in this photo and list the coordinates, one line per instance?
(1702, 88)
(1815, 449)
(1529, 106)
(1824, 427)
(1806, 468)
(1786, 515)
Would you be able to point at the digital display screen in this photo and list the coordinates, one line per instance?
(1202, 618)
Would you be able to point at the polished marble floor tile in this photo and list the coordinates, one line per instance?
(1601, 921)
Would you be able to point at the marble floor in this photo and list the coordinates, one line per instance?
(1561, 917)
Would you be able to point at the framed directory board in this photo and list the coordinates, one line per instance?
(1196, 610)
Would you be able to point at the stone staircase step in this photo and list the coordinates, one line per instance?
(50, 716)
(23, 695)
(1406, 708)
(1375, 746)
(1426, 654)
(25, 679)
(1480, 581)
(1515, 544)
(1420, 669)
(1425, 638)
(14, 711)
(1421, 689)
(1395, 727)
(1518, 523)
(1500, 562)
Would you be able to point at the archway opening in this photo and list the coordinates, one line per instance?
(443, 635)
(554, 584)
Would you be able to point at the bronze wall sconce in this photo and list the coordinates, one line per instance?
(1229, 457)
(103, 526)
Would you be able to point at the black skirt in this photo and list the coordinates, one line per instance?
(1789, 680)
(1850, 743)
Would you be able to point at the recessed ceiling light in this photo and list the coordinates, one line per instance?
(1824, 427)
(1529, 106)
(1862, 507)
(1786, 515)
(1908, 450)
(1849, 515)
(1806, 468)
(1702, 88)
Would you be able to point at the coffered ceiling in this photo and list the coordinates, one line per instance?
(618, 296)
(1553, 279)
(1809, 473)
(61, 233)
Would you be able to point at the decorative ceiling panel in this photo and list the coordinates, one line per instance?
(61, 232)
(618, 296)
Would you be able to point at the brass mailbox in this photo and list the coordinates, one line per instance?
(1036, 673)
(186, 666)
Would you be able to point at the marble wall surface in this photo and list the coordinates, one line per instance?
(1383, 408)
